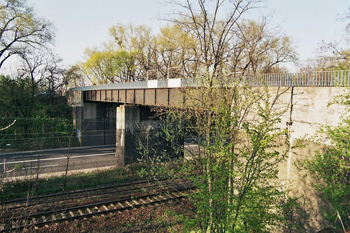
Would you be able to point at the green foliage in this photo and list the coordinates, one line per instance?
(236, 162)
(161, 149)
(239, 160)
(331, 168)
(295, 217)
(109, 66)
(16, 98)
(45, 186)
(42, 121)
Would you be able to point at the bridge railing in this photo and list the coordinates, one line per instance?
(339, 78)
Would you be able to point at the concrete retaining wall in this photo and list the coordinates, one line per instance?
(311, 111)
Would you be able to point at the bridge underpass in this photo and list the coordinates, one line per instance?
(108, 114)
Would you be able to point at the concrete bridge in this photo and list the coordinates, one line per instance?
(103, 113)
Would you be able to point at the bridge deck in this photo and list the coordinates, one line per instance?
(168, 92)
(149, 96)
(152, 92)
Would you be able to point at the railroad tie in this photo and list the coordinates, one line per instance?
(136, 202)
(167, 196)
(181, 193)
(44, 220)
(175, 195)
(128, 203)
(71, 214)
(35, 222)
(88, 210)
(105, 208)
(154, 201)
(143, 202)
(80, 212)
(53, 218)
(121, 205)
(115, 207)
(13, 225)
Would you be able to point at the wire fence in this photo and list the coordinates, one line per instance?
(340, 78)
(36, 133)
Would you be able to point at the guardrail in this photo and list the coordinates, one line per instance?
(339, 78)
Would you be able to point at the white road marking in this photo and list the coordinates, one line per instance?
(59, 158)
(58, 149)
(39, 155)
(54, 165)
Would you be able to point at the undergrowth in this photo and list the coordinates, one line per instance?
(46, 186)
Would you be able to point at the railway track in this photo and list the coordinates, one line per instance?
(120, 189)
(72, 195)
(154, 196)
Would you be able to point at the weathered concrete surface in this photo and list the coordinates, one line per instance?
(125, 115)
(310, 111)
(75, 98)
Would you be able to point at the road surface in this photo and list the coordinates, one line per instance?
(54, 162)
(20, 164)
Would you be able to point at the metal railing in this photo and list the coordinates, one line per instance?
(339, 78)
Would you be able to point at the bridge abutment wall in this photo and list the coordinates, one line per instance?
(312, 108)
(126, 116)
(309, 109)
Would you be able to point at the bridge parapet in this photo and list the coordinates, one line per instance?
(339, 78)
(162, 83)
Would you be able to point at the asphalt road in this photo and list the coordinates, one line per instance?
(55, 161)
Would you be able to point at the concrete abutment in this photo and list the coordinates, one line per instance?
(126, 115)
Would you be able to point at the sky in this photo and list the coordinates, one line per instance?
(82, 24)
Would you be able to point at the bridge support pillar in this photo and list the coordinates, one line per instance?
(125, 116)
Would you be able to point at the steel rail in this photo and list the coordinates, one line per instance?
(69, 214)
(131, 189)
(75, 192)
(125, 184)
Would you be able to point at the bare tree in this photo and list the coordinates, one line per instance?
(21, 30)
(229, 43)
(213, 33)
